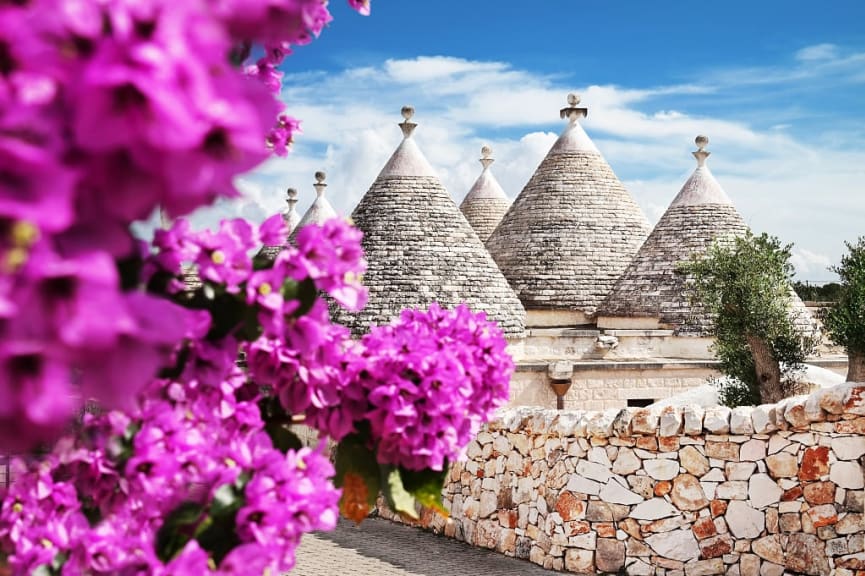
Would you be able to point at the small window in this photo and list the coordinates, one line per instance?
(639, 402)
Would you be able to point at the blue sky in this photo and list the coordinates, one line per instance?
(779, 88)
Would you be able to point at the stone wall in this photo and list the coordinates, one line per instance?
(765, 491)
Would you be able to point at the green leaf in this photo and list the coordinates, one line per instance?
(357, 473)
(218, 535)
(398, 498)
(282, 437)
(226, 500)
(304, 291)
(177, 530)
(426, 486)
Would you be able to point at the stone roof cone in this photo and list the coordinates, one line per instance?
(320, 210)
(650, 293)
(570, 233)
(291, 219)
(420, 249)
(486, 203)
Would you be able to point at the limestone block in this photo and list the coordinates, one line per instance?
(687, 494)
(753, 451)
(807, 554)
(705, 567)
(644, 421)
(743, 520)
(678, 545)
(626, 462)
(693, 461)
(740, 420)
(763, 418)
(782, 465)
(848, 448)
(609, 555)
(717, 420)
(670, 423)
(847, 475)
(763, 491)
(661, 469)
(622, 423)
(794, 411)
(613, 492)
(769, 548)
(693, 420)
(653, 509)
(600, 425)
(593, 471)
(739, 470)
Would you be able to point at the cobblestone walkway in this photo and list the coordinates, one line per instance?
(382, 548)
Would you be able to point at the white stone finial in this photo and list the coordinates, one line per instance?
(573, 112)
(320, 184)
(407, 126)
(291, 198)
(486, 156)
(701, 153)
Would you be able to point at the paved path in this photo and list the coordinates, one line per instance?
(383, 548)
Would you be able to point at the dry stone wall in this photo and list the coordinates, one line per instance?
(770, 490)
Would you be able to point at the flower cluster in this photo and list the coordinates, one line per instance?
(431, 379)
(108, 110)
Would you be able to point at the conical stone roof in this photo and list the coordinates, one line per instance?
(486, 203)
(573, 229)
(320, 210)
(420, 249)
(291, 219)
(650, 288)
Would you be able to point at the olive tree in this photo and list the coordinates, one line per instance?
(744, 282)
(845, 320)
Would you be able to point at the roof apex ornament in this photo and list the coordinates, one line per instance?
(291, 198)
(701, 154)
(486, 156)
(572, 111)
(320, 184)
(407, 126)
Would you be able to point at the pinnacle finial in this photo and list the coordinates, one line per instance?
(291, 198)
(573, 111)
(320, 184)
(486, 156)
(701, 153)
(407, 126)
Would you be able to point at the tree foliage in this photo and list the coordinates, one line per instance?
(845, 321)
(745, 283)
(829, 292)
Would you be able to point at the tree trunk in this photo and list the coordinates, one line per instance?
(855, 366)
(768, 371)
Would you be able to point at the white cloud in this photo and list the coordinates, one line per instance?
(808, 263)
(817, 52)
(799, 188)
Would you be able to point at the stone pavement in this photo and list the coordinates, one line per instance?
(383, 548)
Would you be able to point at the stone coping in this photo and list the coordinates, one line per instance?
(830, 406)
(655, 364)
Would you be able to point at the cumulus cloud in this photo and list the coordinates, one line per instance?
(802, 189)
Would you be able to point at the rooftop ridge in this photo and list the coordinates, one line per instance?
(701, 187)
(407, 159)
